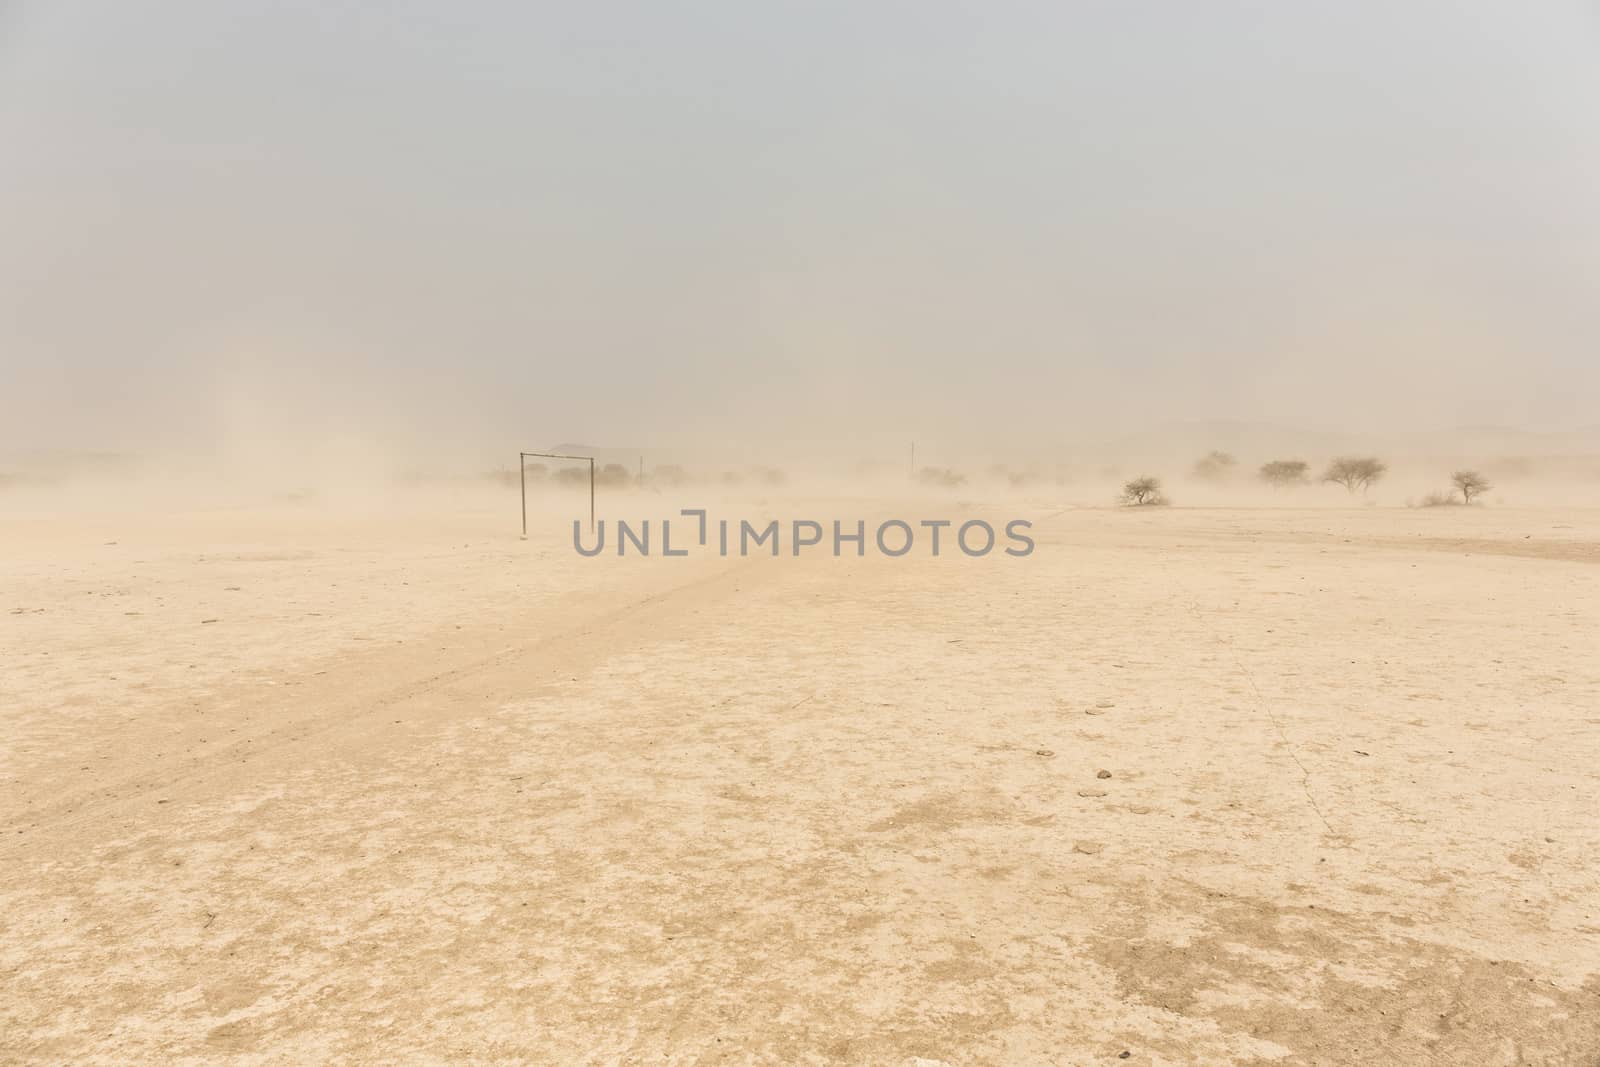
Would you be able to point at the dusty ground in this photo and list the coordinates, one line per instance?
(286, 787)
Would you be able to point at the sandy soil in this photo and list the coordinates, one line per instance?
(1183, 787)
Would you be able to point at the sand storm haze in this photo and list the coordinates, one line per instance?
(1269, 330)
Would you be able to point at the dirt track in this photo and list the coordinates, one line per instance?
(425, 793)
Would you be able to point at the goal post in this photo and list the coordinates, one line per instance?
(522, 480)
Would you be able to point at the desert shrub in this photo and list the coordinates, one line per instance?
(1143, 492)
(1016, 479)
(1438, 500)
(1470, 484)
(943, 477)
(1281, 473)
(1355, 472)
(1214, 466)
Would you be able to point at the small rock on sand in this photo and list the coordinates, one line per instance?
(1102, 774)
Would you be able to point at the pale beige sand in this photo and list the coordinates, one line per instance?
(423, 792)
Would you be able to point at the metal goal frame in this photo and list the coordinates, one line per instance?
(522, 479)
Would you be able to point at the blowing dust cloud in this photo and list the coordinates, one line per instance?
(829, 533)
(307, 241)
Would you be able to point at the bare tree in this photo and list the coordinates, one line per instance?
(1284, 472)
(1355, 472)
(1214, 466)
(1143, 492)
(1471, 484)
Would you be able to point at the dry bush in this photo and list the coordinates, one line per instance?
(1016, 479)
(1438, 500)
(1143, 493)
(942, 477)
(1470, 484)
(1355, 472)
(1215, 466)
(1281, 473)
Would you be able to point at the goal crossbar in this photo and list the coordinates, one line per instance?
(522, 479)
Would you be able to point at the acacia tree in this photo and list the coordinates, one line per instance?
(1471, 484)
(1143, 492)
(1284, 472)
(1355, 472)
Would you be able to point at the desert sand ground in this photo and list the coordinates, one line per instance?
(1186, 786)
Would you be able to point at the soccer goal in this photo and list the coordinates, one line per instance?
(522, 478)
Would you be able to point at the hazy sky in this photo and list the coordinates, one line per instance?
(634, 221)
